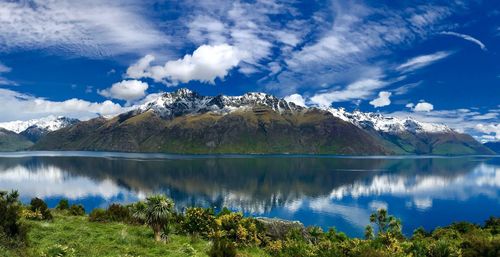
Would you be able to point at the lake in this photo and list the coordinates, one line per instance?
(329, 191)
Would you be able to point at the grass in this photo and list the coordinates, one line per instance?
(83, 238)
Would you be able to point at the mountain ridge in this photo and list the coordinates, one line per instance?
(185, 122)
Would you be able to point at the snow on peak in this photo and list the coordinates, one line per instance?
(380, 122)
(49, 123)
(185, 101)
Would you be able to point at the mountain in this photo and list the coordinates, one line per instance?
(34, 129)
(186, 122)
(408, 135)
(495, 146)
(11, 141)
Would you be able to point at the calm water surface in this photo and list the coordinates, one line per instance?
(316, 190)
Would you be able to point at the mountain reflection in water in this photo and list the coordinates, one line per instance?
(340, 192)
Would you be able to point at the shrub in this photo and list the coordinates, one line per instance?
(77, 210)
(222, 247)
(63, 205)
(493, 224)
(296, 248)
(98, 215)
(38, 204)
(242, 231)
(198, 221)
(13, 233)
(117, 212)
(31, 215)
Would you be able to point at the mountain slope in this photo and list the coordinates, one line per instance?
(494, 146)
(259, 130)
(10, 141)
(34, 129)
(185, 122)
(412, 136)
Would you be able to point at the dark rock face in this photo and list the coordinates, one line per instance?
(34, 133)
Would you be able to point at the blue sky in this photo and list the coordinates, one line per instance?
(437, 61)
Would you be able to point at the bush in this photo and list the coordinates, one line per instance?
(13, 234)
(38, 204)
(63, 205)
(98, 215)
(198, 221)
(117, 212)
(240, 230)
(31, 215)
(222, 247)
(114, 213)
(76, 210)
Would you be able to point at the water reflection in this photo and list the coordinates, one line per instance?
(337, 192)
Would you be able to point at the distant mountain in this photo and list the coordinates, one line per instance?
(10, 141)
(34, 129)
(412, 136)
(495, 146)
(186, 122)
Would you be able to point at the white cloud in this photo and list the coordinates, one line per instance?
(93, 28)
(493, 130)
(19, 106)
(296, 99)
(422, 61)
(248, 26)
(4, 81)
(382, 99)
(466, 37)
(360, 89)
(128, 90)
(205, 65)
(140, 68)
(406, 88)
(423, 107)
(203, 29)
(4, 68)
(351, 34)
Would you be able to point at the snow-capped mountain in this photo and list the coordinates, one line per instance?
(185, 101)
(186, 122)
(50, 123)
(388, 124)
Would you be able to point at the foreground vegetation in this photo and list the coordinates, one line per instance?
(153, 228)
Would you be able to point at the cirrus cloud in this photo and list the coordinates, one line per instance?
(466, 37)
(93, 28)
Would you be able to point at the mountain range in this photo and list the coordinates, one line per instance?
(20, 135)
(185, 122)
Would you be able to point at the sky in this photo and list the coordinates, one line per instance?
(436, 61)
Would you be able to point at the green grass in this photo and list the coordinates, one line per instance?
(86, 238)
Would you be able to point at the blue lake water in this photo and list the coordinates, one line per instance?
(329, 191)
